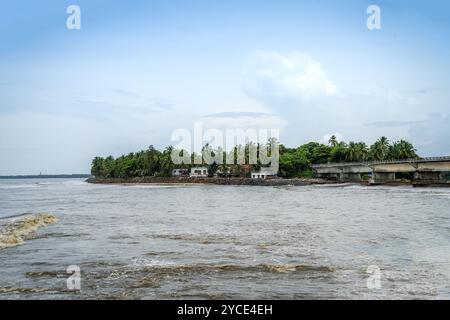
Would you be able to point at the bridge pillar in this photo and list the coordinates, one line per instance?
(428, 176)
(382, 177)
(350, 176)
(425, 171)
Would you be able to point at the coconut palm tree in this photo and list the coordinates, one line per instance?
(401, 150)
(380, 149)
(361, 151)
(352, 152)
(338, 152)
(333, 141)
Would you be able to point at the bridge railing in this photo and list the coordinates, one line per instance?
(340, 164)
(368, 163)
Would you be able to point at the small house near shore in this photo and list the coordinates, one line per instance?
(199, 172)
(264, 173)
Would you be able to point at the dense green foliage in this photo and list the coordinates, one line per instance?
(297, 162)
(294, 162)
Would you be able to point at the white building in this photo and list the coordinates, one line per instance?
(180, 172)
(263, 174)
(199, 172)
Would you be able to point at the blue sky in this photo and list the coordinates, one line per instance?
(138, 70)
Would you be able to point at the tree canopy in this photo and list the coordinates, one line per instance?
(293, 162)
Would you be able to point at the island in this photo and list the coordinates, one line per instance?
(382, 162)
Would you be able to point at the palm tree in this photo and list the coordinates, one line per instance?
(401, 150)
(361, 151)
(380, 149)
(338, 152)
(333, 141)
(97, 168)
(166, 161)
(352, 152)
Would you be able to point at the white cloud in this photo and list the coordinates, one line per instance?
(244, 120)
(394, 97)
(294, 76)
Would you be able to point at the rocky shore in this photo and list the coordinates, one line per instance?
(217, 181)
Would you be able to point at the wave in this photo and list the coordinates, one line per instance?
(151, 273)
(207, 239)
(16, 232)
(45, 274)
(158, 268)
(265, 267)
(203, 239)
(8, 290)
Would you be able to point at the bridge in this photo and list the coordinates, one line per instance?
(423, 171)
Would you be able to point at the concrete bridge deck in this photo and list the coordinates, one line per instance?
(424, 171)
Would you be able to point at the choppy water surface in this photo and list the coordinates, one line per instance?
(220, 242)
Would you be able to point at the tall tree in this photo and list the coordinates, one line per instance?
(401, 150)
(333, 141)
(380, 149)
(338, 152)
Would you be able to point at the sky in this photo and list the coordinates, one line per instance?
(138, 70)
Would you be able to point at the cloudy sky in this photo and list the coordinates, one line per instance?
(138, 70)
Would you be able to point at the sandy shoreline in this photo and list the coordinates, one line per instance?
(216, 181)
(251, 182)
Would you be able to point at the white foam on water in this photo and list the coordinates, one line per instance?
(14, 232)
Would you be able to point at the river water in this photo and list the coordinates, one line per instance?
(222, 242)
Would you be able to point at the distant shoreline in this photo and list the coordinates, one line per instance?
(48, 176)
(216, 181)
